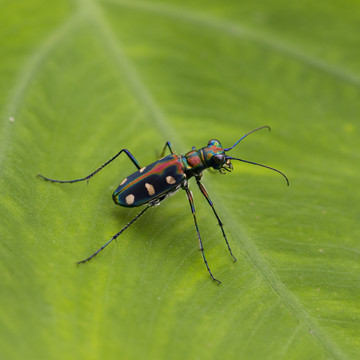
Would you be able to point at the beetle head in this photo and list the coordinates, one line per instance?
(215, 157)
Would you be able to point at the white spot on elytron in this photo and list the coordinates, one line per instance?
(130, 199)
(150, 189)
(170, 180)
(11, 119)
(124, 181)
(142, 169)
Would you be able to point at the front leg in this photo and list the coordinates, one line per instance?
(207, 197)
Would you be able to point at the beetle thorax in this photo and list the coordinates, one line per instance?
(194, 162)
(211, 156)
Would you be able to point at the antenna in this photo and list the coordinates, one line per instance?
(259, 128)
(265, 166)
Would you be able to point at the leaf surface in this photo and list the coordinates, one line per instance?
(82, 80)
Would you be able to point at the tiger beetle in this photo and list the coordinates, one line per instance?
(153, 183)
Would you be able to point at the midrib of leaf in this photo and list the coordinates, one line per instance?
(94, 14)
(237, 31)
(27, 74)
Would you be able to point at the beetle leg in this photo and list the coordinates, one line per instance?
(127, 152)
(115, 236)
(192, 206)
(170, 147)
(207, 197)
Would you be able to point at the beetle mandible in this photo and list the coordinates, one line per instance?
(153, 183)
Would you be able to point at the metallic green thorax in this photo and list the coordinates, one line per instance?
(212, 155)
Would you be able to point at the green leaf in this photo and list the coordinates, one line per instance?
(81, 80)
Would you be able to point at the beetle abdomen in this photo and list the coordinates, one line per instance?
(150, 182)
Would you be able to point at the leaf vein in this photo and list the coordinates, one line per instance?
(240, 31)
(26, 76)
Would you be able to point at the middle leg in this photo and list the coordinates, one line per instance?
(170, 147)
(192, 206)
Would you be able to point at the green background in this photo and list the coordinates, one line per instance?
(81, 80)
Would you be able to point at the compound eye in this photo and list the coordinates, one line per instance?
(219, 158)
